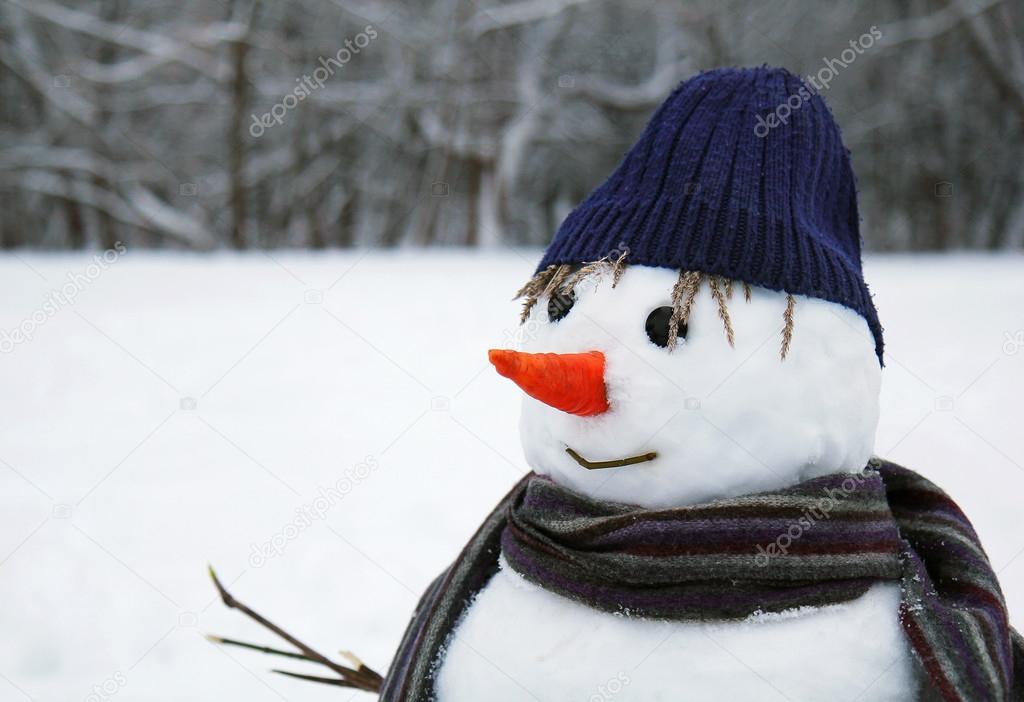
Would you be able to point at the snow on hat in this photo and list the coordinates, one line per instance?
(740, 173)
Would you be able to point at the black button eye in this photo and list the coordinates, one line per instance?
(560, 304)
(657, 326)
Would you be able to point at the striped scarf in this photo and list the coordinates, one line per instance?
(821, 542)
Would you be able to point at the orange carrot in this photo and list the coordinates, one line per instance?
(571, 382)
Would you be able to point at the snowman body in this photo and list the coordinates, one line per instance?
(724, 420)
(520, 642)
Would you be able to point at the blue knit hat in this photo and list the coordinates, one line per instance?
(740, 173)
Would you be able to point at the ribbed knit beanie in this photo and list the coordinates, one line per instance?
(741, 173)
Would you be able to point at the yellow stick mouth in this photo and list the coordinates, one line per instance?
(617, 463)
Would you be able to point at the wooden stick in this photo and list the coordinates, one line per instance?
(617, 463)
(256, 647)
(316, 678)
(364, 678)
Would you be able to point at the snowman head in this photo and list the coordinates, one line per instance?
(671, 384)
(756, 389)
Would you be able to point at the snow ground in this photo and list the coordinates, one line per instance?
(185, 407)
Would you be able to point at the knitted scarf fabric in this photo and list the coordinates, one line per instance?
(821, 542)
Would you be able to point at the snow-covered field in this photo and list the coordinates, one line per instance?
(327, 432)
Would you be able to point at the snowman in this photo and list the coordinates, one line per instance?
(705, 519)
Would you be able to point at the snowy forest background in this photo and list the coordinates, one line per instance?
(165, 409)
(467, 122)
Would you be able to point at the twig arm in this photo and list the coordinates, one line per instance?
(363, 677)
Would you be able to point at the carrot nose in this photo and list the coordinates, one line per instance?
(571, 382)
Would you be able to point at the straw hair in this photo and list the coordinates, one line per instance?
(561, 279)
(723, 310)
(584, 272)
(557, 279)
(532, 290)
(618, 267)
(601, 266)
(787, 332)
(684, 292)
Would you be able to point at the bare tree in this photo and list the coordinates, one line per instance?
(470, 122)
